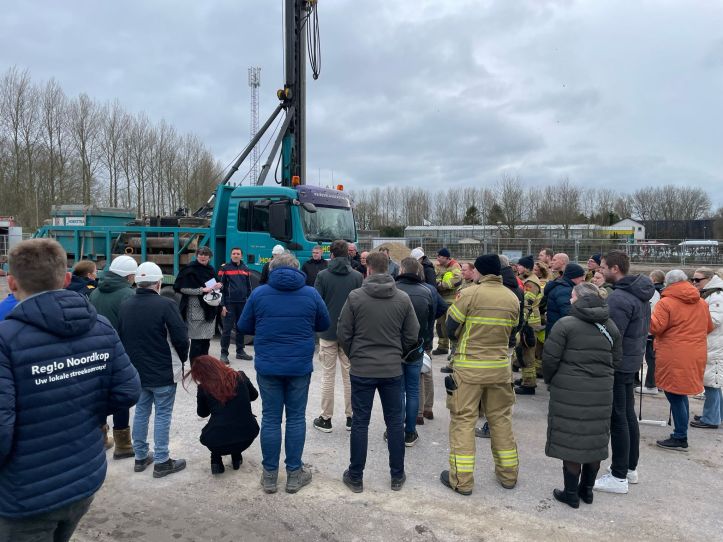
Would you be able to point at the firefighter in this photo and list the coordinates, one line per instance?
(483, 318)
(449, 277)
(527, 341)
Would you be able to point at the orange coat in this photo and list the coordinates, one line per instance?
(680, 323)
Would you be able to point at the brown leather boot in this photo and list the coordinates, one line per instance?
(123, 446)
(107, 441)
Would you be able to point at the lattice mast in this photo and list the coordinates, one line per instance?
(254, 84)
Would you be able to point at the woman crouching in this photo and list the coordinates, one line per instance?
(226, 396)
(578, 363)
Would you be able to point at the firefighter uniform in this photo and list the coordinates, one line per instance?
(448, 278)
(484, 315)
(533, 296)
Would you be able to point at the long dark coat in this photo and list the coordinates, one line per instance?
(578, 363)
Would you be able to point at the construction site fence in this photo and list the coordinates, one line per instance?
(663, 252)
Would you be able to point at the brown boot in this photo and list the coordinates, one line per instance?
(107, 441)
(123, 446)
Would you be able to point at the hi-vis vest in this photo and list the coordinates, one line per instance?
(533, 297)
(488, 313)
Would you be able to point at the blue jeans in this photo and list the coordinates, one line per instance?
(362, 399)
(680, 410)
(279, 393)
(163, 398)
(411, 374)
(713, 406)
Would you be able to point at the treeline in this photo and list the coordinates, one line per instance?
(510, 202)
(56, 149)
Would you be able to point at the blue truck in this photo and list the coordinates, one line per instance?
(253, 218)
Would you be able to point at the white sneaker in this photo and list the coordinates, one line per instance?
(646, 391)
(609, 484)
(632, 475)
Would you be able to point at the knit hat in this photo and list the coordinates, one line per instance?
(444, 252)
(417, 253)
(278, 249)
(597, 258)
(488, 264)
(528, 262)
(573, 271)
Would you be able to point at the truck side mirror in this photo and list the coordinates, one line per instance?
(279, 221)
(309, 207)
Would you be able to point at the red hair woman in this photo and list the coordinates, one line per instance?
(226, 396)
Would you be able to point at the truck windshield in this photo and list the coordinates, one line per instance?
(328, 224)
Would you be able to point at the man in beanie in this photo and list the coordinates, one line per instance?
(593, 264)
(483, 318)
(558, 293)
(449, 277)
(527, 341)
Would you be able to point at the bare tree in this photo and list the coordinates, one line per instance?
(114, 124)
(510, 196)
(84, 130)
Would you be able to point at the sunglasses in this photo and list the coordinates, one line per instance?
(696, 280)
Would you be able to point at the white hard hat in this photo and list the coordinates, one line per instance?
(123, 266)
(278, 249)
(417, 253)
(213, 298)
(149, 272)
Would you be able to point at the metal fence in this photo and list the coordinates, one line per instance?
(663, 252)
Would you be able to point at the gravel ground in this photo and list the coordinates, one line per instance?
(674, 500)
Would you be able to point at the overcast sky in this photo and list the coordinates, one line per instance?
(416, 92)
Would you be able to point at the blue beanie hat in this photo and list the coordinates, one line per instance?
(444, 252)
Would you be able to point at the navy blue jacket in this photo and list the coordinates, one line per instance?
(283, 316)
(629, 305)
(82, 285)
(63, 369)
(236, 281)
(155, 337)
(558, 293)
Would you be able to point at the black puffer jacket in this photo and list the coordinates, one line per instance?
(629, 305)
(578, 363)
(509, 280)
(423, 303)
(430, 276)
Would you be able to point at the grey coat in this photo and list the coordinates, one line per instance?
(377, 324)
(578, 363)
(334, 284)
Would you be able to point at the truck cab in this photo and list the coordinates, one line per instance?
(259, 217)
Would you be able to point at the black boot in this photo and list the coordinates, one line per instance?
(569, 495)
(587, 481)
(217, 464)
(236, 460)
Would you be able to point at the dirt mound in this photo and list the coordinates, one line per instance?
(397, 251)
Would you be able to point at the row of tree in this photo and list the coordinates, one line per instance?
(511, 203)
(56, 149)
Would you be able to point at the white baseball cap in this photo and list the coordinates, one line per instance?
(417, 253)
(149, 272)
(123, 266)
(278, 249)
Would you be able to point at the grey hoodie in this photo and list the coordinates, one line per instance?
(377, 324)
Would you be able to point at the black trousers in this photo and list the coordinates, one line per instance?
(650, 361)
(234, 450)
(199, 347)
(57, 525)
(624, 431)
(233, 313)
(121, 419)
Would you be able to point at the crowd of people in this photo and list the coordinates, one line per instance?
(76, 349)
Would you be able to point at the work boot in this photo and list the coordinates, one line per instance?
(587, 482)
(518, 382)
(428, 414)
(444, 478)
(244, 356)
(217, 467)
(420, 420)
(296, 479)
(525, 390)
(123, 445)
(569, 495)
(357, 486)
(397, 483)
(107, 441)
(168, 467)
(224, 358)
(483, 432)
(268, 480)
(440, 351)
(446, 369)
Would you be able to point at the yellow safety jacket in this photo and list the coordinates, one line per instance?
(488, 313)
(448, 279)
(533, 297)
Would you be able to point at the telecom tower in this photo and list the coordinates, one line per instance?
(254, 84)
